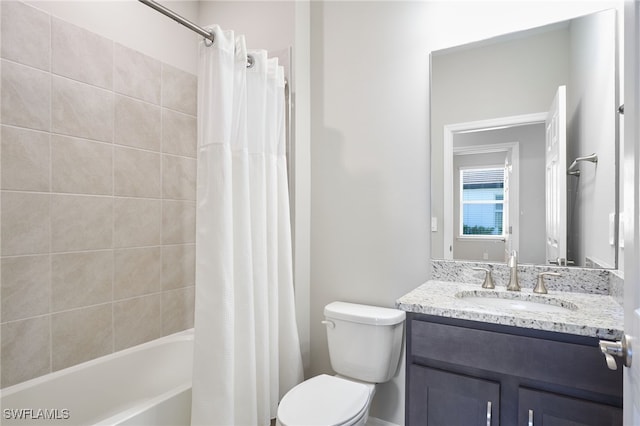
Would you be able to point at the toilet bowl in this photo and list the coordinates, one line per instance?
(326, 401)
(364, 348)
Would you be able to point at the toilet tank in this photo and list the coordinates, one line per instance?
(364, 341)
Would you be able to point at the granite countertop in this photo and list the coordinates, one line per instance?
(593, 315)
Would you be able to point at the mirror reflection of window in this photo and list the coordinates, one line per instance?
(482, 201)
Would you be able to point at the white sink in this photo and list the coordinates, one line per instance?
(516, 301)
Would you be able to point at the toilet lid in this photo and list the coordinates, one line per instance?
(323, 400)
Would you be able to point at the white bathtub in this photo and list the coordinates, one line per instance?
(149, 384)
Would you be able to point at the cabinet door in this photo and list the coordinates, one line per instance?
(441, 398)
(537, 408)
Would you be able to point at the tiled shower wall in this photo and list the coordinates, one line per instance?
(98, 172)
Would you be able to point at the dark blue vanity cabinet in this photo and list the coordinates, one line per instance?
(465, 373)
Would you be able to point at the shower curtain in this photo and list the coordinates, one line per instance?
(246, 350)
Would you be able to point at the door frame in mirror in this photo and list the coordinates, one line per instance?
(448, 151)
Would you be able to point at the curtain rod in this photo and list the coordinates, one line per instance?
(179, 19)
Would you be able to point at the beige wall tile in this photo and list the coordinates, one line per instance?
(25, 223)
(137, 272)
(179, 90)
(67, 255)
(81, 55)
(25, 35)
(137, 123)
(178, 178)
(138, 222)
(26, 97)
(25, 352)
(81, 222)
(178, 266)
(81, 335)
(81, 110)
(25, 159)
(25, 287)
(177, 310)
(136, 75)
(178, 222)
(80, 166)
(178, 133)
(136, 173)
(137, 320)
(81, 279)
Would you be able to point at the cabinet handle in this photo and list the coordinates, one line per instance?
(488, 413)
(530, 418)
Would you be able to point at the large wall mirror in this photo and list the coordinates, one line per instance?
(524, 146)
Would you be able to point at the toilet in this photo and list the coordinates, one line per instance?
(365, 343)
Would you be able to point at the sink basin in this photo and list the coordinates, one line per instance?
(516, 301)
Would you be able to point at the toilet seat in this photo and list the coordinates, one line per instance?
(324, 401)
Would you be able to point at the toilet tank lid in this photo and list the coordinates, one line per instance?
(364, 314)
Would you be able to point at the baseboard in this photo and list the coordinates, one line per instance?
(374, 421)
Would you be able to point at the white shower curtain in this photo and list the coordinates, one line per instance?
(246, 352)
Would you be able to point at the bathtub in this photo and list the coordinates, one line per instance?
(149, 384)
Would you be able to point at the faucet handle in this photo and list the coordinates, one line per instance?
(540, 287)
(488, 278)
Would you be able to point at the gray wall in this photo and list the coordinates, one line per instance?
(369, 164)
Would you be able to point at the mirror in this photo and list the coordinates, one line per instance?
(509, 116)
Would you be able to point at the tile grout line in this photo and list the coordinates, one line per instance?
(50, 314)
(94, 305)
(162, 252)
(96, 250)
(113, 204)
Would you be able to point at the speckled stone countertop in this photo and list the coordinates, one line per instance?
(593, 315)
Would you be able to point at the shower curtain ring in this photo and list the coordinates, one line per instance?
(209, 41)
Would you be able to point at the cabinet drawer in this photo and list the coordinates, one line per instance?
(533, 358)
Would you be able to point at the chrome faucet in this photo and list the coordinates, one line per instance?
(514, 284)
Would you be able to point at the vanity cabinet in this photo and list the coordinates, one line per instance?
(462, 372)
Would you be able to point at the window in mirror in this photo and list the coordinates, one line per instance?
(482, 202)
